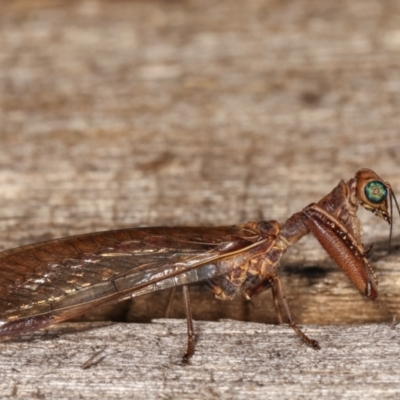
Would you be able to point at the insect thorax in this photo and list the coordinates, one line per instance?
(254, 272)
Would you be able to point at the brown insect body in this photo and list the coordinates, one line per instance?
(343, 249)
(49, 282)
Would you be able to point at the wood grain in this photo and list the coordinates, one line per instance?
(232, 360)
(117, 114)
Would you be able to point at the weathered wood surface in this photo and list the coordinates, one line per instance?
(234, 360)
(118, 114)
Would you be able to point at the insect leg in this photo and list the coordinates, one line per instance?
(275, 296)
(345, 250)
(280, 296)
(170, 300)
(190, 329)
(261, 287)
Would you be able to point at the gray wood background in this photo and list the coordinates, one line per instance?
(129, 113)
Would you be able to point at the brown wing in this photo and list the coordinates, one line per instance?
(79, 272)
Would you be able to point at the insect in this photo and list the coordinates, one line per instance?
(45, 283)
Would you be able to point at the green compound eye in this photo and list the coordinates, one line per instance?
(375, 191)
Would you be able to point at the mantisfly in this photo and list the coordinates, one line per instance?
(49, 282)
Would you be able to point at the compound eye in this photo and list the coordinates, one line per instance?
(375, 191)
